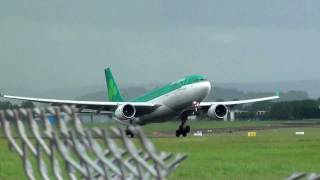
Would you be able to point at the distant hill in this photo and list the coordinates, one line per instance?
(291, 91)
(217, 94)
(227, 91)
(128, 93)
(232, 94)
(312, 87)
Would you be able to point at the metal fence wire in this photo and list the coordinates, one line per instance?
(304, 176)
(68, 150)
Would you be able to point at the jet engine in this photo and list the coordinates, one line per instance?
(125, 111)
(217, 111)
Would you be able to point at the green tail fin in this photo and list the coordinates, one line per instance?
(114, 94)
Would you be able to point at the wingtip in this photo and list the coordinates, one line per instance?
(278, 94)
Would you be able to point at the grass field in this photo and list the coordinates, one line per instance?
(273, 154)
(172, 126)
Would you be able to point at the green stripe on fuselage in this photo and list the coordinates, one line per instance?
(169, 88)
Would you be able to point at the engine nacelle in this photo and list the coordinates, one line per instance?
(125, 111)
(217, 111)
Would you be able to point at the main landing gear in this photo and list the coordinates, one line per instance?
(129, 132)
(183, 129)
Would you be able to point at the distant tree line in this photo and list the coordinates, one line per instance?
(286, 110)
(9, 105)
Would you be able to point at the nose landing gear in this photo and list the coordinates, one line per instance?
(195, 106)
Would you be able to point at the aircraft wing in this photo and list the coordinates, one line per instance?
(232, 103)
(92, 105)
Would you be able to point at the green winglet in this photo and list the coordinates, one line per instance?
(114, 94)
(278, 93)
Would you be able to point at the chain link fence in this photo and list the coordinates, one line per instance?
(65, 149)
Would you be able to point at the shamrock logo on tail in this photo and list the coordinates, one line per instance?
(112, 89)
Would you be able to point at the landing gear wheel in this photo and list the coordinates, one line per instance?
(178, 133)
(183, 130)
(129, 133)
(187, 129)
(184, 133)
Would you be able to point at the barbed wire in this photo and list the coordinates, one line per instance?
(68, 150)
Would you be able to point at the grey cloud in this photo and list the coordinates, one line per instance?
(54, 44)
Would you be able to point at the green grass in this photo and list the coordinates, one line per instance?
(10, 164)
(173, 125)
(273, 154)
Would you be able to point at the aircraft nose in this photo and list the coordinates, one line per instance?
(206, 87)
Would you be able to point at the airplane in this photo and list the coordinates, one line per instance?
(181, 98)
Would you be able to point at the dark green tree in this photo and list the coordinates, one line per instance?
(5, 105)
(27, 104)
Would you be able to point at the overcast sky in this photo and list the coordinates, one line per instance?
(68, 43)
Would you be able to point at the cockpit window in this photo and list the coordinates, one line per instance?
(199, 80)
(202, 79)
(195, 79)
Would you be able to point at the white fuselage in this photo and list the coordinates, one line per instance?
(175, 102)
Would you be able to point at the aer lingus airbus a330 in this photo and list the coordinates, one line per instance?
(181, 99)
